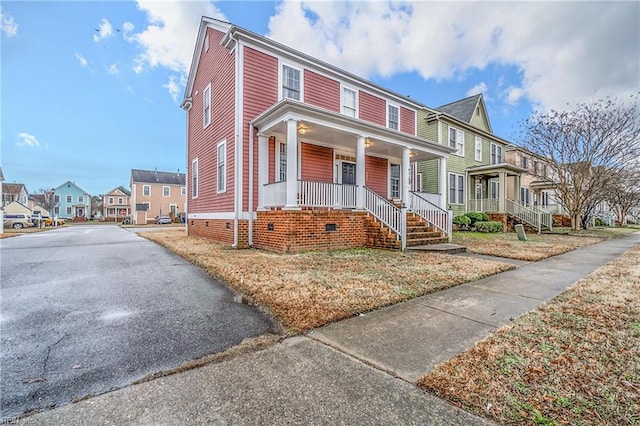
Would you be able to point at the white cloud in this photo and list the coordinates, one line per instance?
(559, 59)
(80, 57)
(113, 69)
(478, 88)
(28, 140)
(127, 29)
(173, 87)
(7, 25)
(103, 31)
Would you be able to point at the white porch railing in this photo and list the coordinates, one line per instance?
(432, 198)
(393, 217)
(531, 216)
(490, 205)
(550, 208)
(430, 212)
(326, 194)
(275, 194)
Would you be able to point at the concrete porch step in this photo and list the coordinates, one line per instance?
(447, 248)
(425, 241)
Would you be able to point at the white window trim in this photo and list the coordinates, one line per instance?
(501, 153)
(166, 187)
(206, 96)
(457, 190)
(206, 43)
(69, 198)
(389, 104)
(146, 186)
(418, 184)
(390, 191)
(342, 99)
(194, 176)
(460, 141)
(478, 152)
(183, 190)
(224, 178)
(278, 145)
(280, 74)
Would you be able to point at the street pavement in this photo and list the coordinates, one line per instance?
(90, 309)
(357, 371)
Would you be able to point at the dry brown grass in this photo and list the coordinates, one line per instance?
(311, 289)
(507, 244)
(7, 233)
(576, 360)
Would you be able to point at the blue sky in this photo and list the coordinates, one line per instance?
(90, 90)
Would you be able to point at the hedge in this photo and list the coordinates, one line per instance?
(487, 226)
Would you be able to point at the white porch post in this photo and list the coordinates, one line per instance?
(502, 191)
(442, 181)
(292, 166)
(263, 167)
(360, 172)
(406, 168)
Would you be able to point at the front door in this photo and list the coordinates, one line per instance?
(348, 174)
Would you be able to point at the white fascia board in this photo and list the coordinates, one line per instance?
(222, 216)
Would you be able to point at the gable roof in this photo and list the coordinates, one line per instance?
(71, 183)
(154, 176)
(462, 109)
(120, 188)
(13, 188)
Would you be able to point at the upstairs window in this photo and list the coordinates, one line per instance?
(56, 198)
(393, 117)
(165, 191)
(524, 162)
(478, 150)
(456, 140)
(120, 201)
(69, 199)
(290, 83)
(206, 106)
(80, 199)
(496, 154)
(110, 200)
(348, 102)
(146, 190)
(183, 191)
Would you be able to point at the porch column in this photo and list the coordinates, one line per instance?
(263, 167)
(517, 195)
(360, 172)
(405, 169)
(442, 181)
(292, 166)
(502, 191)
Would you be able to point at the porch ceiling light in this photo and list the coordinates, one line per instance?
(367, 143)
(302, 130)
(412, 154)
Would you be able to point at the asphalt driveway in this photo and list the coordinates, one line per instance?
(88, 309)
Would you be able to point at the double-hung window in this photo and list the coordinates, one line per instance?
(222, 166)
(69, 199)
(478, 150)
(80, 199)
(395, 181)
(393, 117)
(496, 154)
(120, 201)
(456, 188)
(110, 200)
(282, 162)
(524, 162)
(206, 106)
(349, 102)
(194, 178)
(456, 140)
(524, 195)
(146, 190)
(165, 191)
(290, 83)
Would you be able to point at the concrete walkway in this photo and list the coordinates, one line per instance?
(339, 374)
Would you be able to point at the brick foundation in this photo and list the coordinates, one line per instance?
(302, 230)
(499, 217)
(220, 230)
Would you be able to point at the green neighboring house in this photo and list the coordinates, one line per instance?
(477, 173)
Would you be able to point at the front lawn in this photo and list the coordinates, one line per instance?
(311, 289)
(575, 360)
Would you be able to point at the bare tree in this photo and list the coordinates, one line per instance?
(48, 199)
(624, 195)
(587, 149)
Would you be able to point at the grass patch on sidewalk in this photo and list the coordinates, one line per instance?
(507, 244)
(307, 290)
(575, 360)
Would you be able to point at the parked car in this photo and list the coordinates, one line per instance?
(17, 220)
(163, 220)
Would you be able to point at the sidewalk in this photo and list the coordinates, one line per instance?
(339, 374)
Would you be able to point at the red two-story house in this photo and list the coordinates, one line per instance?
(289, 153)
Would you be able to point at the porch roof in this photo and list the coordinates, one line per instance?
(495, 169)
(330, 128)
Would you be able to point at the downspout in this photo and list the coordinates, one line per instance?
(186, 106)
(250, 207)
(237, 194)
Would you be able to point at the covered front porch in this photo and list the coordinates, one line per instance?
(310, 158)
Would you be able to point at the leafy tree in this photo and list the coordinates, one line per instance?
(587, 148)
